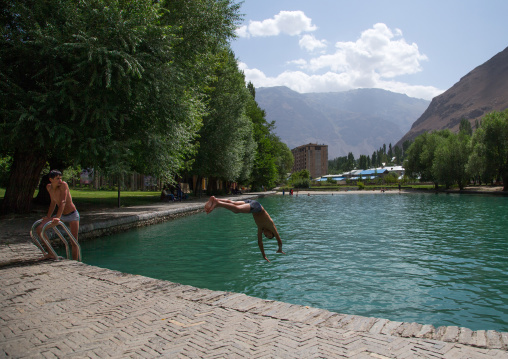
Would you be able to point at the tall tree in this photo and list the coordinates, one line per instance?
(83, 78)
(450, 159)
(264, 171)
(226, 139)
(490, 145)
(420, 156)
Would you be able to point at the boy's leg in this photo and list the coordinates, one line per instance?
(235, 207)
(74, 230)
(45, 238)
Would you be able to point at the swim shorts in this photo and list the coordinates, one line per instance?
(70, 217)
(255, 206)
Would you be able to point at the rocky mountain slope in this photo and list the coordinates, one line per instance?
(358, 121)
(481, 91)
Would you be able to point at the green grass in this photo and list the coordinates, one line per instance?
(108, 199)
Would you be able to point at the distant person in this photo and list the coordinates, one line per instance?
(261, 217)
(166, 195)
(67, 212)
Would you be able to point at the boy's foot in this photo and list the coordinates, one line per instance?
(210, 205)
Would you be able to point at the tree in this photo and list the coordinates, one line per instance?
(450, 159)
(300, 179)
(273, 158)
(362, 162)
(284, 159)
(420, 156)
(465, 127)
(226, 139)
(90, 78)
(398, 155)
(350, 164)
(390, 153)
(490, 145)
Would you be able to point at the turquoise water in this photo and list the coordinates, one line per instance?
(426, 258)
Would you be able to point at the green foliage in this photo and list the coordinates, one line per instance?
(5, 167)
(361, 185)
(273, 158)
(342, 164)
(490, 147)
(465, 127)
(420, 156)
(300, 179)
(391, 178)
(96, 82)
(226, 144)
(450, 160)
(447, 158)
(330, 180)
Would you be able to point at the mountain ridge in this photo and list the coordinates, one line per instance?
(358, 121)
(482, 90)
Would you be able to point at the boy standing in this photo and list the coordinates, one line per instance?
(67, 212)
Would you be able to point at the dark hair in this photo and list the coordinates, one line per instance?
(273, 235)
(54, 173)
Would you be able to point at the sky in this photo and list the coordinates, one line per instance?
(419, 48)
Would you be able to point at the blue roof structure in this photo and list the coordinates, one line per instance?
(372, 172)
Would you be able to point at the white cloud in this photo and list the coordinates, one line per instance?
(372, 61)
(300, 63)
(310, 43)
(377, 51)
(286, 22)
(242, 31)
(334, 82)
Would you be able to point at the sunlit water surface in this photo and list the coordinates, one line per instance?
(426, 258)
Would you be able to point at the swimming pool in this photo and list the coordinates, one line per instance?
(426, 258)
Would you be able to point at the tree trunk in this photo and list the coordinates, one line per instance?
(197, 187)
(23, 180)
(43, 195)
(119, 181)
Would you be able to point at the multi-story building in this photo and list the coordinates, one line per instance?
(312, 157)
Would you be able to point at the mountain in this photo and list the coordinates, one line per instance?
(358, 121)
(483, 90)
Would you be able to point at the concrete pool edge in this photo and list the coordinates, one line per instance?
(321, 317)
(105, 304)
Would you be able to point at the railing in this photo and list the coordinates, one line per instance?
(39, 240)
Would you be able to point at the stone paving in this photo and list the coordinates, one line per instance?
(67, 309)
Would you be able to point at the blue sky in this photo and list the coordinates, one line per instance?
(419, 48)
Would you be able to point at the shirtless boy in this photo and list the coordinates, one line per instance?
(261, 217)
(67, 212)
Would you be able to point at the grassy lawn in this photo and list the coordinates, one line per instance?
(109, 199)
(86, 199)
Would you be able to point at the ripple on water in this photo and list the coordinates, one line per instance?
(432, 259)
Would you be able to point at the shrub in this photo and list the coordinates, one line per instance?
(361, 185)
(301, 183)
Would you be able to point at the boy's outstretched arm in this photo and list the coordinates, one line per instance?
(279, 242)
(260, 244)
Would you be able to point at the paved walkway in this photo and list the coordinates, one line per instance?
(70, 309)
